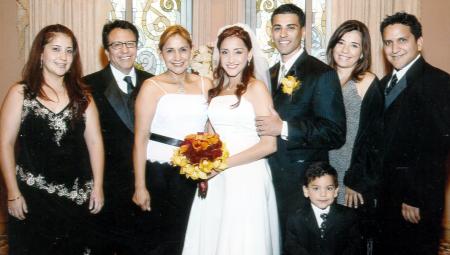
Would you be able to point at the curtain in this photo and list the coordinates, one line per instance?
(371, 13)
(209, 16)
(84, 18)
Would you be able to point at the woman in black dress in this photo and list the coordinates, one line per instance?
(54, 176)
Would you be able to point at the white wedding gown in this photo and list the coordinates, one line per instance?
(239, 214)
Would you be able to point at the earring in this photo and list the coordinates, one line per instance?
(248, 62)
(41, 64)
(361, 57)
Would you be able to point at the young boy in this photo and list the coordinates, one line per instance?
(322, 226)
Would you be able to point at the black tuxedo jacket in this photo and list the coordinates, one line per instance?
(417, 141)
(364, 172)
(116, 119)
(314, 113)
(341, 236)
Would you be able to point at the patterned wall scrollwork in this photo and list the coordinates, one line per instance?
(168, 5)
(146, 60)
(265, 5)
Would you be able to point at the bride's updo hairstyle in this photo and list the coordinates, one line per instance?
(171, 31)
(220, 74)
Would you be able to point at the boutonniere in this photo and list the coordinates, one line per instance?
(290, 84)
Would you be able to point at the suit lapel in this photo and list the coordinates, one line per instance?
(117, 100)
(274, 77)
(296, 70)
(312, 221)
(332, 218)
(397, 90)
(406, 81)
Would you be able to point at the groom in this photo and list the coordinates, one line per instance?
(310, 117)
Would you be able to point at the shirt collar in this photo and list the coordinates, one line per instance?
(400, 73)
(318, 211)
(118, 76)
(288, 64)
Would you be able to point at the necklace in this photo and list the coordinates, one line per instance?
(181, 89)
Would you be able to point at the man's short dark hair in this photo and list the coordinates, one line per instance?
(319, 169)
(123, 24)
(290, 9)
(404, 19)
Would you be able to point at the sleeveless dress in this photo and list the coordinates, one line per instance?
(54, 177)
(340, 158)
(239, 213)
(176, 116)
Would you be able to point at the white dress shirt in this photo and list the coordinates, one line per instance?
(317, 212)
(118, 76)
(400, 73)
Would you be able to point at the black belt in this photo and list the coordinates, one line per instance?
(165, 140)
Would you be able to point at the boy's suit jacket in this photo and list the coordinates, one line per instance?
(342, 236)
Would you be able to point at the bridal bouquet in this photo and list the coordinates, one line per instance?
(198, 155)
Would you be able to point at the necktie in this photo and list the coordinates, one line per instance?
(391, 85)
(323, 225)
(282, 73)
(130, 86)
(130, 100)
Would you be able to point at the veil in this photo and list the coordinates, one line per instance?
(261, 70)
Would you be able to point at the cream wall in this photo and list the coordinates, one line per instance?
(10, 63)
(436, 32)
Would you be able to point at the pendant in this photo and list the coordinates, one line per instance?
(181, 89)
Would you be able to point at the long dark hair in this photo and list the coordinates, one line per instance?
(33, 78)
(219, 72)
(364, 62)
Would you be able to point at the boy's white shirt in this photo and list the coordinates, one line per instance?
(317, 212)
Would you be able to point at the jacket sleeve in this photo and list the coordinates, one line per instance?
(364, 172)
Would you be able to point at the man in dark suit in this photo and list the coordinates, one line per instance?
(114, 89)
(309, 119)
(322, 227)
(416, 141)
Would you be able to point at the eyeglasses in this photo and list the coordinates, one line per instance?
(119, 45)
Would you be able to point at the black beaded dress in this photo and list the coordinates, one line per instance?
(54, 177)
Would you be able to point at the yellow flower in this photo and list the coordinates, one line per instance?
(290, 84)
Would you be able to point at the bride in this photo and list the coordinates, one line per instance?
(239, 214)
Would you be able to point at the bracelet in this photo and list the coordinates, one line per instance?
(14, 199)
